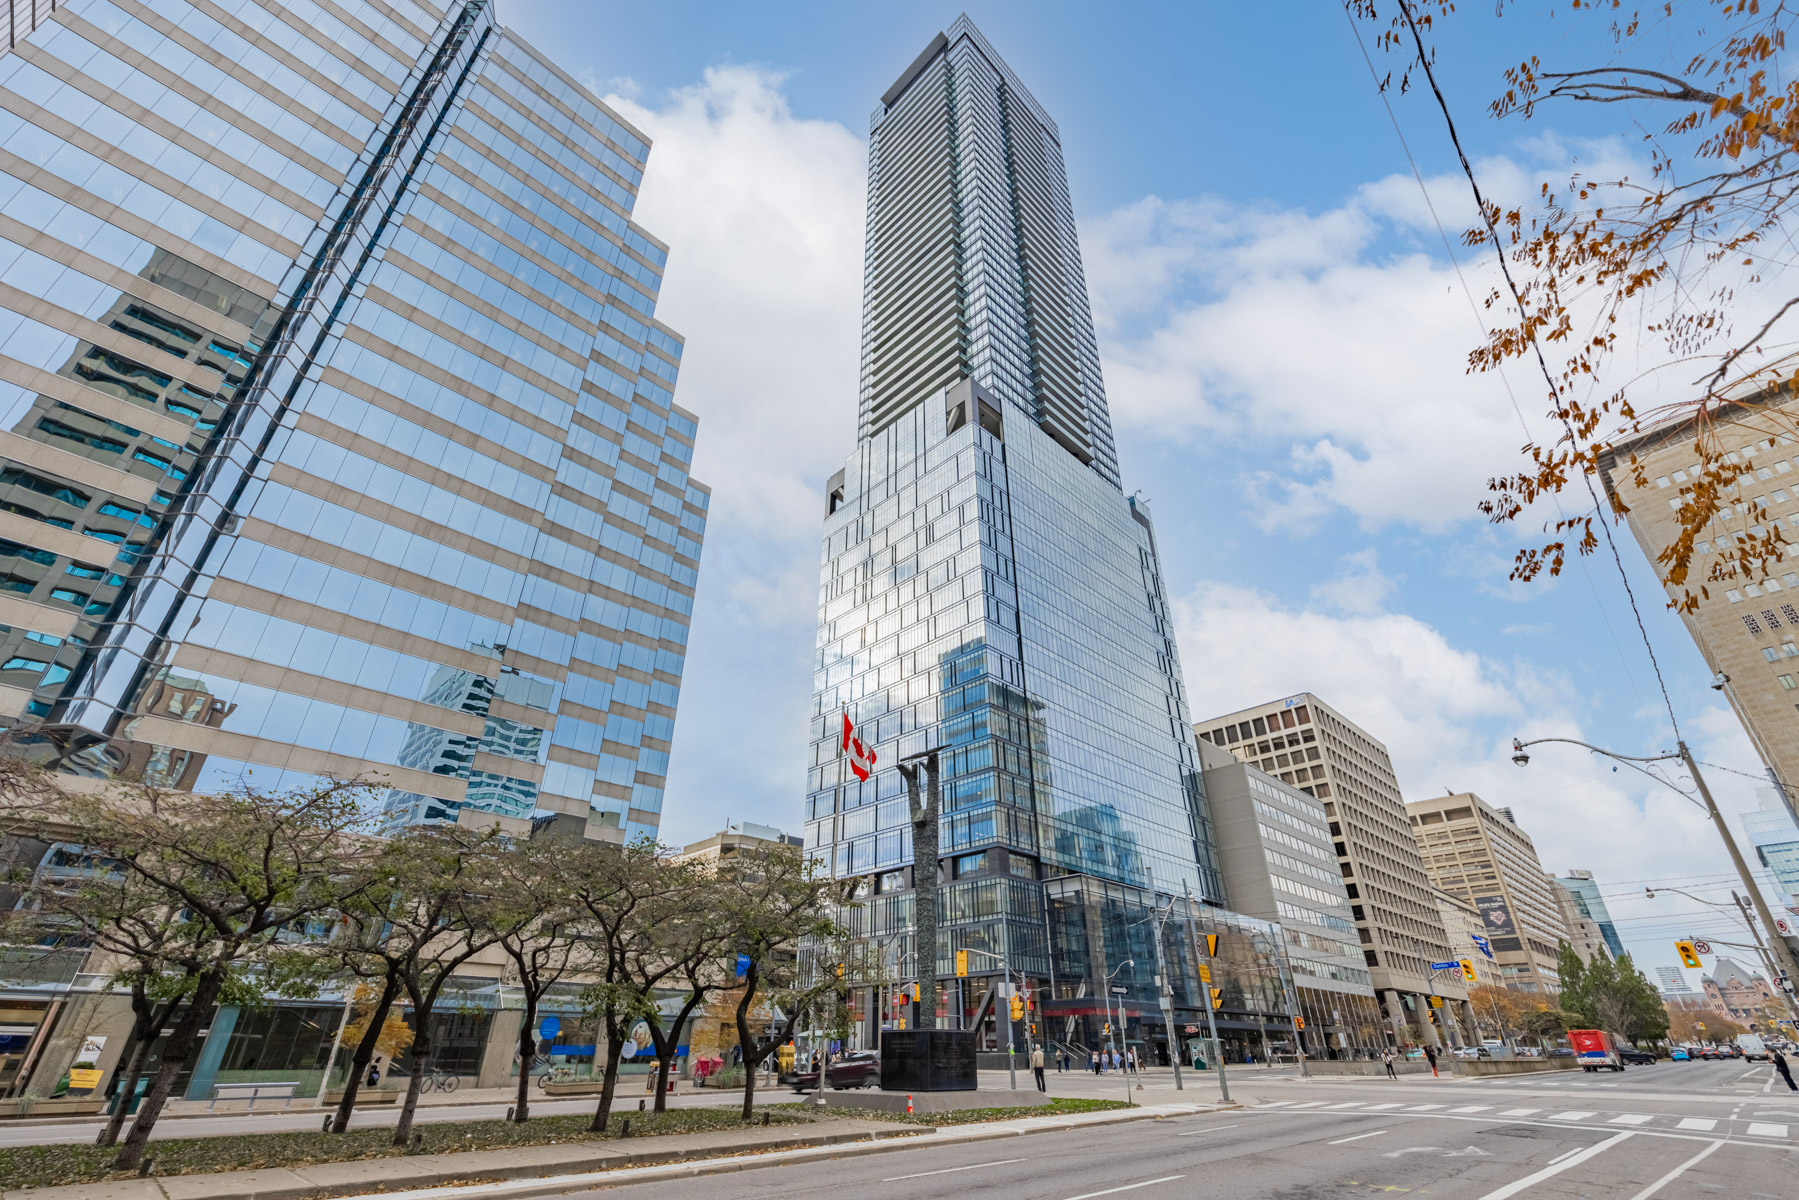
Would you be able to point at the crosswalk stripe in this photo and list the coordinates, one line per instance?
(1519, 1112)
(1758, 1129)
(1422, 1107)
(1382, 1107)
(1310, 1104)
(1471, 1108)
(1350, 1104)
(1276, 1103)
(1631, 1119)
(1699, 1123)
(1571, 1116)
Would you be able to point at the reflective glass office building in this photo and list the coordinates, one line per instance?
(987, 590)
(337, 432)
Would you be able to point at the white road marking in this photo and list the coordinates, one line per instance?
(1566, 1154)
(951, 1170)
(1309, 1104)
(1275, 1104)
(1748, 1073)
(1703, 1124)
(1676, 1173)
(1519, 1112)
(1571, 1116)
(1759, 1129)
(1557, 1167)
(1351, 1104)
(1422, 1107)
(1382, 1107)
(1129, 1186)
(1358, 1137)
(1189, 1133)
(1631, 1119)
(1467, 1108)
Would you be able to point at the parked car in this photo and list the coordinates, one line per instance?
(1678, 1055)
(857, 1069)
(1473, 1052)
(1560, 1052)
(1636, 1057)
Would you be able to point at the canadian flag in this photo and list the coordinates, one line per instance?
(862, 758)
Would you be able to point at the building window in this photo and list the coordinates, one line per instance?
(1734, 596)
(1786, 681)
(1753, 625)
(1772, 620)
(1771, 654)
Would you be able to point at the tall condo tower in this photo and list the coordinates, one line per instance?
(987, 590)
(337, 435)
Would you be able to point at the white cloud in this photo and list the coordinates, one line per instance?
(763, 215)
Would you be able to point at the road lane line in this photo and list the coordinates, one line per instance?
(1358, 1137)
(1520, 1112)
(1676, 1173)
(1760, 1129)
(1566, 1154)
(1557, 1167)
(952, 1170)
(1631, 1119)
(1193, 1132)
(1128, 1187)
(1703, 1124)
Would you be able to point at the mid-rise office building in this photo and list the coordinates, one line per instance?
(1746, 629)
(1274, 847)
(1674, 982)
(1478, 855)
(987, 591)
(1590, 904)
(339, 436)
(1584, 936)
(1313, 747)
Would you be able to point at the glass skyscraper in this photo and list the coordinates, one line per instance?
(987, 590)
(337, 433)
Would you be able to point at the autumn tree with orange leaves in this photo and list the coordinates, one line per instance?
(1692, 254)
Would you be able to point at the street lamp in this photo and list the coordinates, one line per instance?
(1787, 971)
(1122, 1073)
(1742, 908)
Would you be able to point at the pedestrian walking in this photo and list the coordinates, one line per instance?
(1786, 1073)
(1037, 1068)
(1095, 1062)
(1386, 1056)
(1062, 1062)
(1430, 1053)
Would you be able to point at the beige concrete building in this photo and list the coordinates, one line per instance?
(1583, 931)
(1746, 629)
(1461, 922)
(1477, 854)
(1311, 746)
(733, 839)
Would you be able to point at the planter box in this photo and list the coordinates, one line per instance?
(577, 1088)
(364, 1097)
(65, 1107)
(1513, 1066)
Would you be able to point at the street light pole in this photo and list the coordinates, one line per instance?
(1166, 995)
(1005, 967)
(1205, 990)
(1742, 907)
(1788, 969)
(1122, 1073)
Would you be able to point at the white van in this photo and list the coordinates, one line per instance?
(1753, 1048)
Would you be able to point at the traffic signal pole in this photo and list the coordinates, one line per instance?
(1224, 1090)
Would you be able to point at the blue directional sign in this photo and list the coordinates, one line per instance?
(1446, 966)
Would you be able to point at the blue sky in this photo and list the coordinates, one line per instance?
(1283, 335)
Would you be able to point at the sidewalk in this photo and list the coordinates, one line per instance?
(553, 1170)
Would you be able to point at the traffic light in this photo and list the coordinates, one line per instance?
(1299, 1023)
(1105, 1030)
(839, 970)
(1211, 945)
(961, 962)
(1689, 957)
(1017, 1009)
(1218, 997)
(1468, 971)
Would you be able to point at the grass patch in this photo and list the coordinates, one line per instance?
(1058, 1106)
(48, 1166)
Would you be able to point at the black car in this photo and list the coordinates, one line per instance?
(857, 1069)
(1635, 1057)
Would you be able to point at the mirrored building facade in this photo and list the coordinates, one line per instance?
(337, 429)
(987, 590)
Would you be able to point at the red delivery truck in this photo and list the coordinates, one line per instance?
(1595, 1049)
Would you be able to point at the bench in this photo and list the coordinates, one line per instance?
(253, 1092)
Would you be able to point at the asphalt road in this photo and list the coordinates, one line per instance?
(1673, 1132)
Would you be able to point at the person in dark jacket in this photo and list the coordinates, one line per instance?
(1786, 1073)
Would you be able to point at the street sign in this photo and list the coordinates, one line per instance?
(1211, 945)
(1435, 1001)
(1190, 1028)
(743, 965)
(961, 962)
(1119, 989)
(1444, 966)
(1702, 947)
(548, 1028)
(1205, 972)
(1217, 997)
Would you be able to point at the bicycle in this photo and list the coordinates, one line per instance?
(557, 1074)
(436, 1078)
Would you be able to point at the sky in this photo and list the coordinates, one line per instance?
(1283, 331)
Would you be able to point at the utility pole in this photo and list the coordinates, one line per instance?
(1767, 957)
(1166, 995)
(1205, 991)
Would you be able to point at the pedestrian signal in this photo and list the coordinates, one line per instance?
(1689, 957)
(1211, 945)
(1468, 971)
(1217, 997)
(1017, 1009)
(961, 962)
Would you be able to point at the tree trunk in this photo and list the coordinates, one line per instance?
(527, 1055)
(667, 1043)
(180, 1049)
(149, 1023)
(365, 1054)
(421, 1062)
(609, 1082)
(751, 977)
